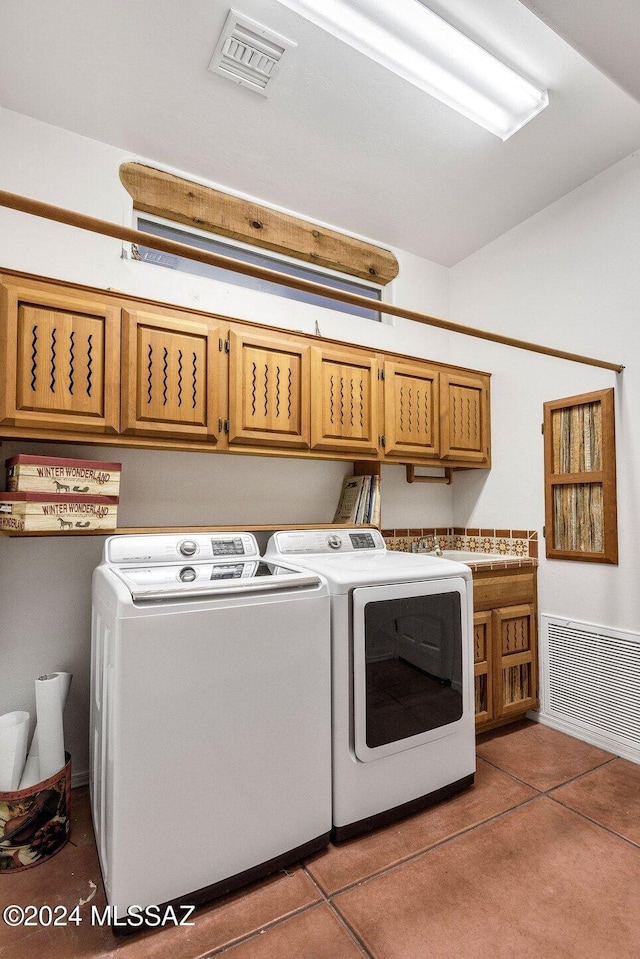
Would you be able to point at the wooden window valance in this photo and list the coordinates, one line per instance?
(163, 194)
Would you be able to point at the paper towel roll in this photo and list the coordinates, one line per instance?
(31, 774)
(31, 771)
(50, 732)
(14, 734)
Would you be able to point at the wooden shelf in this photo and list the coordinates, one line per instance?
(128, 530)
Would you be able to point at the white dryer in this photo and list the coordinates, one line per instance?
(210, 716)
(403, 727)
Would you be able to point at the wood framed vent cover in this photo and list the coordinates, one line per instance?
(580, 478)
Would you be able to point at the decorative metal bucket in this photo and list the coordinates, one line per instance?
(35, 822)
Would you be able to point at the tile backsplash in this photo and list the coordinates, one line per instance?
(506, 542)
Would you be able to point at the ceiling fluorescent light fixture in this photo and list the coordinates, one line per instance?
(409, 39)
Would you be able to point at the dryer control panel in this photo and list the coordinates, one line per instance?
(302, 541)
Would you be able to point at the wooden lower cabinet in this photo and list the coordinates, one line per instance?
(505, 645)
(483, 675)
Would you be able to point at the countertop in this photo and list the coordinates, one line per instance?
(479, 562)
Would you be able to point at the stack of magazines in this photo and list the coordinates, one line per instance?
(359, 501)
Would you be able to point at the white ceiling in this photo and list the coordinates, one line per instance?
(340, 139)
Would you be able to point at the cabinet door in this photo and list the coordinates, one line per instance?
(515, 673)
(464, 406)
(61, 355)
(171, 376)
(268, 389)
(580, 478)
(482, 660)
(411, 410)
(344, 401)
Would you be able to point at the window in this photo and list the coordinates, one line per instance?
(248, 254)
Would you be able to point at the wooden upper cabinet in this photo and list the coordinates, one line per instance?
(61, 358)
(172, 376)
(464, 425)
(78, 363)
(411, 410)
(344, 400)
(268, 389)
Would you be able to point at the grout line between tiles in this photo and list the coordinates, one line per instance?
(352, 933)
(312, 879)
(268, 926)
(220, 950)
(595, 822)
(327, 898)
(545, 792)
(436, 845)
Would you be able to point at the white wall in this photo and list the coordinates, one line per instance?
(45, 583)
(569, 278)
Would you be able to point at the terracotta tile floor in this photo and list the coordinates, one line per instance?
(540, 858)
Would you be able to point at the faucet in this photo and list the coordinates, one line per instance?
(422, 547)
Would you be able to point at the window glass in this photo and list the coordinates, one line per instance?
(257, 257)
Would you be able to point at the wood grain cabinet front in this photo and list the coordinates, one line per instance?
(82, 364)
(464, 418)
(61, 350)
(515, 660)
(344, 401)
(173, 376)
(411, 410)
(482, 659)
(505, 645)
(268, 389)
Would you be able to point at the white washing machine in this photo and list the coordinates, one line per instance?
(403, 727)
(210, 716)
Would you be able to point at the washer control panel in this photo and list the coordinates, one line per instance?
(292, 541)
(172, 547)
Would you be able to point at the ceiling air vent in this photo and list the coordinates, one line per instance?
(249, 54)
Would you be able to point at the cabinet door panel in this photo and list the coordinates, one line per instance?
(63, 358)
(411, 394)
(344, 401)
(465, 418)
(483, 679)
(515, 667)
(268, 390)
(171, 376)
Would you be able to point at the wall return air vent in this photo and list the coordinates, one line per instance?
(591, 683)
(249, 53)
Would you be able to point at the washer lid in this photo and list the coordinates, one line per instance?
(177, 581)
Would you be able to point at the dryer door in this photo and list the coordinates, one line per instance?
(411, 657)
